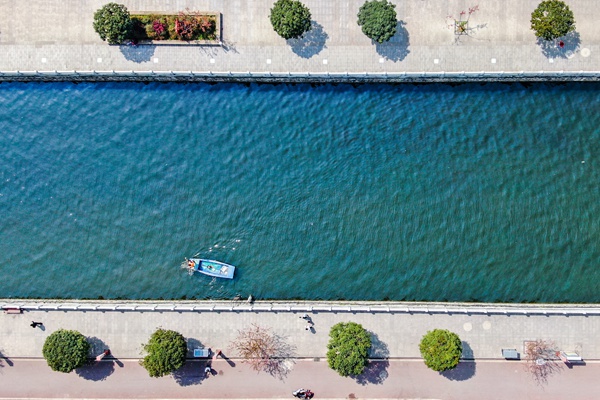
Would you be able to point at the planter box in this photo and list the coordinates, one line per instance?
(162, 16)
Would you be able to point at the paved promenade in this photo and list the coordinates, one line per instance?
(484, 329)
(48, 35)
(400, 373)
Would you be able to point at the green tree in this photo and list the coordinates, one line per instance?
(290, 18)
(166, 352)
(441, 349)
(348, 348)
(552, 19)
(377, 18)
(113, 23)
(65, 350)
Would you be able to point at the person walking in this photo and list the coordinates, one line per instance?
(35, 324)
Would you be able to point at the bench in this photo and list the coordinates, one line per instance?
(510, 354)
(13, 310)
(201, 352)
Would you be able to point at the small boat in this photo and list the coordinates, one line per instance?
(210, 267)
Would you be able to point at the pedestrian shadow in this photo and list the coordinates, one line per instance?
(5, 359)
(311, 43)
(138, 53)
(552, 49)
(229, 360)
(465, 369)
(376, 370)
(395, 49)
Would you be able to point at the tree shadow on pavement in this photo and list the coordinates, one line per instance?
(137, 53)
(379, 349)
(311, 43)
(465, 369)
(375, 373)
(552, 49)
(395, 49)
(192, 373)
(94, 370)
(193, 344)
(376, 370)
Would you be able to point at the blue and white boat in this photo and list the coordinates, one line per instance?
(214, 268)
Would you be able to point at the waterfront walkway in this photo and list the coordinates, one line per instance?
(123, 326)
(49, 35)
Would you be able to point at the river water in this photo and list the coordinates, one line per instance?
(411, 192)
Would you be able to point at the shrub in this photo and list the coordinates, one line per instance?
(65, 350)
(552, 19)
(183, 26)
(441, 349)
(290, 18)
(159, 28)
(113, 23)
(166, 353)
(348, 348)
(377, 19)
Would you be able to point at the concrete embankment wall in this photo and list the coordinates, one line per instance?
(298, 77)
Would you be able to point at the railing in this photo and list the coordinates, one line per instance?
(249, 76)
(313, 307)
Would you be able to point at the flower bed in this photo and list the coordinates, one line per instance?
(189, 27)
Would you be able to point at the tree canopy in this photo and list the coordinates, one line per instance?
(113, 23)
(441, 349)
(65, 350)
(263, 350)
(166, 351)
(348, 348)
(377, 18)
(552, 19)
(290, 18)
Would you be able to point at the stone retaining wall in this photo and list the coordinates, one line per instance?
(295, 77)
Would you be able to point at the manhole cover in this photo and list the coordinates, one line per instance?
(467, 326)
(585, 52)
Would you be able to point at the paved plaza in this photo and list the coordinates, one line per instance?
(48, 35)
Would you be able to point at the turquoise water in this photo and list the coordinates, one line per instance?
(432, 192)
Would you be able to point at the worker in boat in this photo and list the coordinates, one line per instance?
(191, 263)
